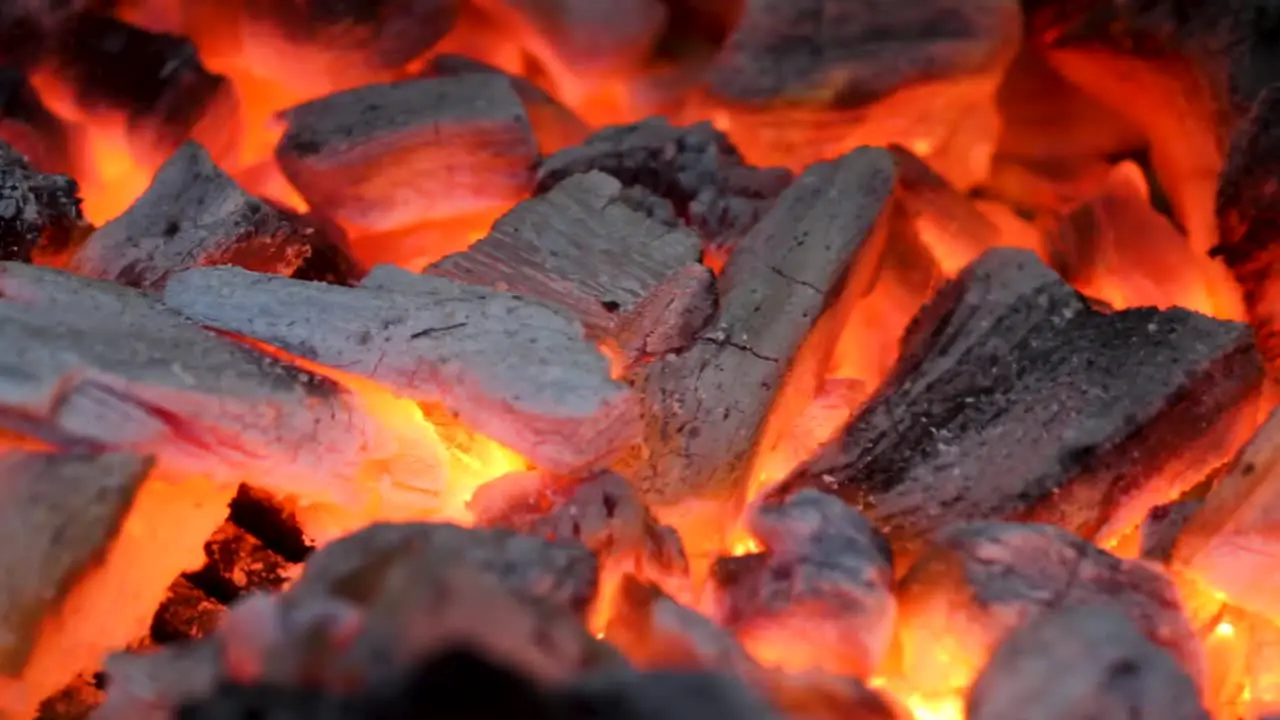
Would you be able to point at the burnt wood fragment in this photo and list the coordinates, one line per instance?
(706, 407)
(187, 613)
(697, 168)
(1014, 399)
(268, 519)
(238, 563)
(39, 212)
(820, 595)
(194, 214)
(27, 125)
(1082, 662)
(510, 369)
(979, 582)
(76, 701)
(581, 248)
(388, 156)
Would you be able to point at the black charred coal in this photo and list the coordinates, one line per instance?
(186, 613)
(27, 125)
(37, 210)
(238, 563)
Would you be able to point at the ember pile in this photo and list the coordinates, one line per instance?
(802, 359)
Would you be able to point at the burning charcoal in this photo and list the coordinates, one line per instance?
(1013, 399)
(697, 168)
(819, 596)
(76, 701)
(599, 509)
(580, 248)
(511, 370)
(193, 214)
(385, 157)
(1248, 215)
(80, 528)
(155, 80)
(979, 582)
(38, 212)
(186, 613)
(1228, 543)
(556, 126)
(148, 685)
(815, 696)
(706, 407)
(269, 519)
(91, 363)
(1159, 532)
(1082, 662)
(239, 563)
(27, 125)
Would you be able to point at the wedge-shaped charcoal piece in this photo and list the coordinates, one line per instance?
(979, 582)
(581, 248)
(820, 596)
(1229, 543)
(705, 408)
(87, 362)
(697, 168)
(512, 370)
(556, 126)
(1083, 662)
(1012, 399)
(385, 157)
(194, 214)
(38, 212)
(599, 509)
(91, 542)
(27, 125)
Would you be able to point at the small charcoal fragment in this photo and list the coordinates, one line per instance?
(186, 613)
(38, 212)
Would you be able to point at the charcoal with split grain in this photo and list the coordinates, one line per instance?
(510, 369)
(1014, 399)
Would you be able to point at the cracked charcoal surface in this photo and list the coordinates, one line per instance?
(36, 209)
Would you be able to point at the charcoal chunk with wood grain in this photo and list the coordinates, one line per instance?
(1014, 399)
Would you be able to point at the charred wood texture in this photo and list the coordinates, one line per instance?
(510, 369)
(821, 592)
(76, 701)
(707, 406)
(978, 583)
(187, 613)
(1083, 662)
(632, 282)
(697, 168)
(194, 214)
(39, 212)
(27, 125)
(1013, 399)
(389, 156)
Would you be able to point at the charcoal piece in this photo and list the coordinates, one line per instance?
(599, 509)
(510, 369)
(1013, 399)
(979, 582)
(96, 363)
(39, 212)
(559, 572)
(705, 407)
(193, 214)
(820, 596)
(696, 167)
(1159, 532)
(390, 156)
(27, 125)
(238, 563)
(381, 34)
(1228, 543)
(1082, 662)
(76, 701)
(153, 683)
(556, 126)
(1248, 215)
(854, 53)
(268, 519)
(187, 613)
(156, 80)
(580, 248)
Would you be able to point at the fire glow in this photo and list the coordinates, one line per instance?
(977, 166)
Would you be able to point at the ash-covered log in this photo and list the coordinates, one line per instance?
(820, 595)
(91, 542)
(697, 168)
(388, 156)
(39, 212)
(706, 407)
(1229, 543)
(580, 247)
(556, 126)
(193, 214)
(979, 582)
(510, 369)
(1083, 662)
(27, 125)
(155, 80)
(88, 363)
(1013, 399)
